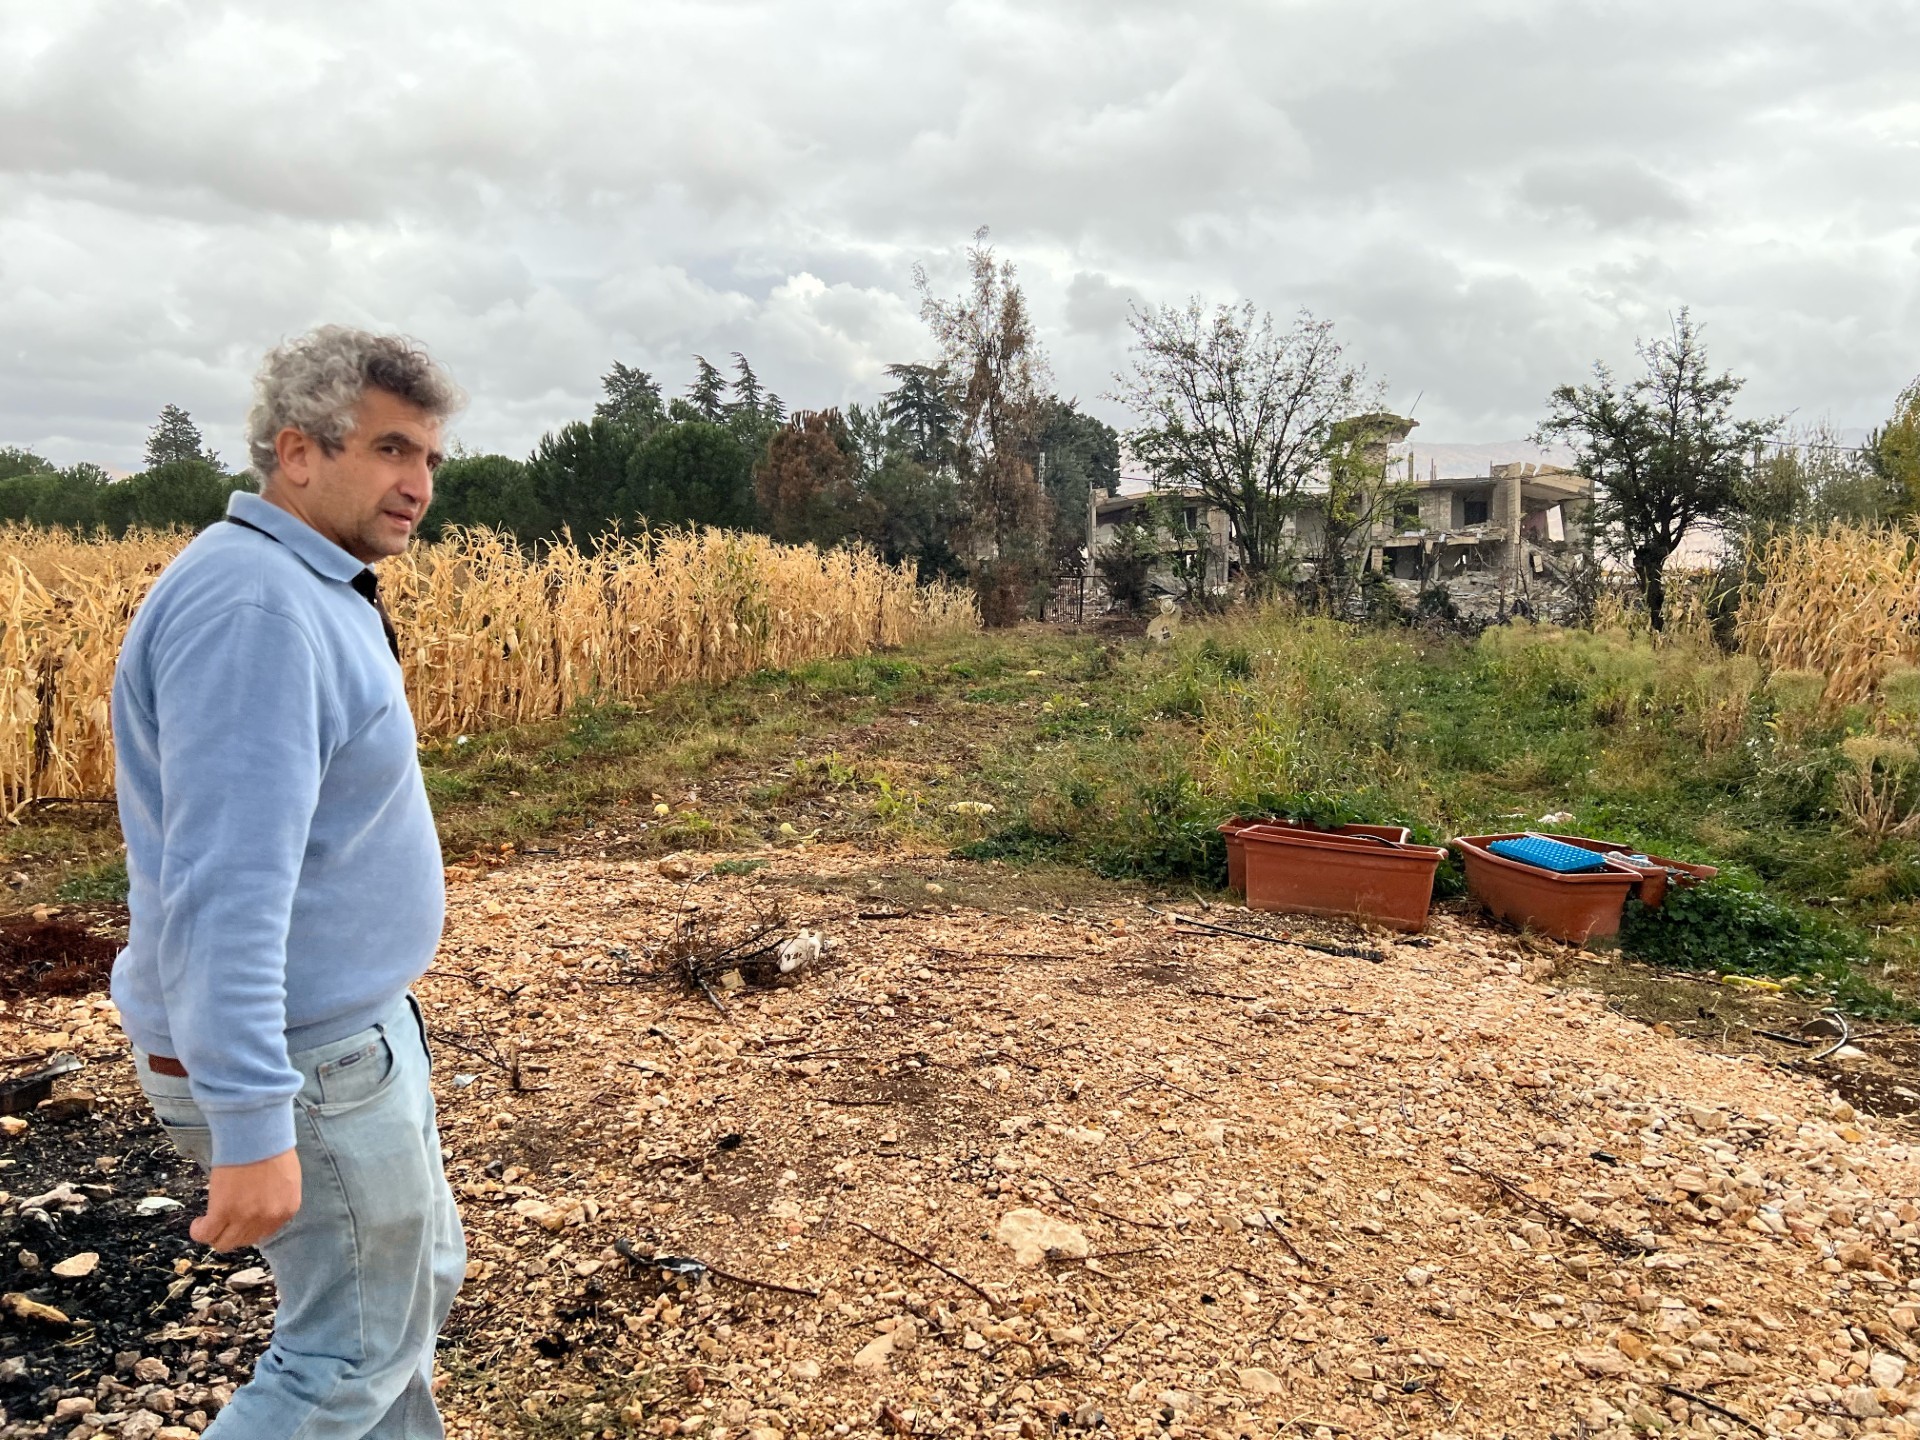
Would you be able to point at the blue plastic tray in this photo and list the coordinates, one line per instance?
(1544, 854)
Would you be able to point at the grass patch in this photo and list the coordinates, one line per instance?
(1040, 749)
(101, 884)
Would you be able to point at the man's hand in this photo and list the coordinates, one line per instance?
(249, 1203)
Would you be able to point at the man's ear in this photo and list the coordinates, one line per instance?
(294, 453)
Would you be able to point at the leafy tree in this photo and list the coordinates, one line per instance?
(32, 492)
(694, 473)
(807, 483)
(707, 395)
(188, 494)
(1361, 492)
(1126, 563)
(71, 499)
(912, 512)
(1810, 477)
(921, 404)
(1240, 414)
(23, 495)
(987, 342)
(16, 461)
(1664, 452)
(175, 438)
(577, 480)
(632, 398)
(491, 491)
(909, 511)
(1893, 451)
(1078, 455)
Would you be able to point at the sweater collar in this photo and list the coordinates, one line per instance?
(321, 555)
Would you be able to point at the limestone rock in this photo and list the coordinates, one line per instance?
(1033, 1236)
(23, 1309)
(1601, 1361)
(1887, 1371)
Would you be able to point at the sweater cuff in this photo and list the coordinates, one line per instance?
(241, 1137)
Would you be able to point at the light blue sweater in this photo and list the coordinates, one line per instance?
(284, 875)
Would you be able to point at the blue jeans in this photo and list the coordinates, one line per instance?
(369, 1266)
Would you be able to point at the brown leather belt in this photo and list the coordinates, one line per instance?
(166, 1065)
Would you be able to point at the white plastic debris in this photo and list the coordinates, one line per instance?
(799, 952)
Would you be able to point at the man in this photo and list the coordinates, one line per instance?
(286, 890)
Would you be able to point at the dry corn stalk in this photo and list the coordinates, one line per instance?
(1844, 601)
(491, 636)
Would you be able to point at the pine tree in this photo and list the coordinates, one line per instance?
(921, 404)
(633, 397)
(748, 393)
(176, 437)
(708, 392)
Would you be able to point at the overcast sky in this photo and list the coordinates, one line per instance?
(1485, 197)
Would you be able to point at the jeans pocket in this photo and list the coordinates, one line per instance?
(349, 1081)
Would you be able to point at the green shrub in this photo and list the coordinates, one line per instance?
(1724, 927)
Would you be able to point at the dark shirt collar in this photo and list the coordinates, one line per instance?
(321, 555)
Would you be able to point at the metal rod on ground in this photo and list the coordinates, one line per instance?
(1846, 1034)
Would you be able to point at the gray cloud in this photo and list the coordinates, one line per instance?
(1097, 307)
(1485, 196)
(1609, 193)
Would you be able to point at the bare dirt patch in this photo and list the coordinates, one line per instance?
(55, 954)
(1417, 1188)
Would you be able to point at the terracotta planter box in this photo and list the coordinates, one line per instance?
(1657, 875)
(1574, 908)
(1237, 854)
(1363, 872)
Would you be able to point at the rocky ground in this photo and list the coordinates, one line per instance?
(1023, 1157)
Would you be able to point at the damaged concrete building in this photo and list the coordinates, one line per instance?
(1509, 537)
(1511, 534)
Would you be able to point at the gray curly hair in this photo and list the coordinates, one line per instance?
(314, 382)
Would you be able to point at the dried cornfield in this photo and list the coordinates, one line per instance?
(1843, 602)
(491, 636)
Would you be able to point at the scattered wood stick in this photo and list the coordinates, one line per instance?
(478, 983)
(1255, 1276)
(1714, 1406)
(1121, 1254)
(631, 1254)
(924, 1259)
(1286, 1243)
(1192, 1094)
(998, 954)
(1222, 995)
(1347, 952)
(1618, 1245)
(707, 990)
(1142, 1164)
(1060, 1189)
(1785, 1039)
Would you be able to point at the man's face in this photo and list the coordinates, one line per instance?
(368, 497)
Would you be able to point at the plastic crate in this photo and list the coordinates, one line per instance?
(1544, 854)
